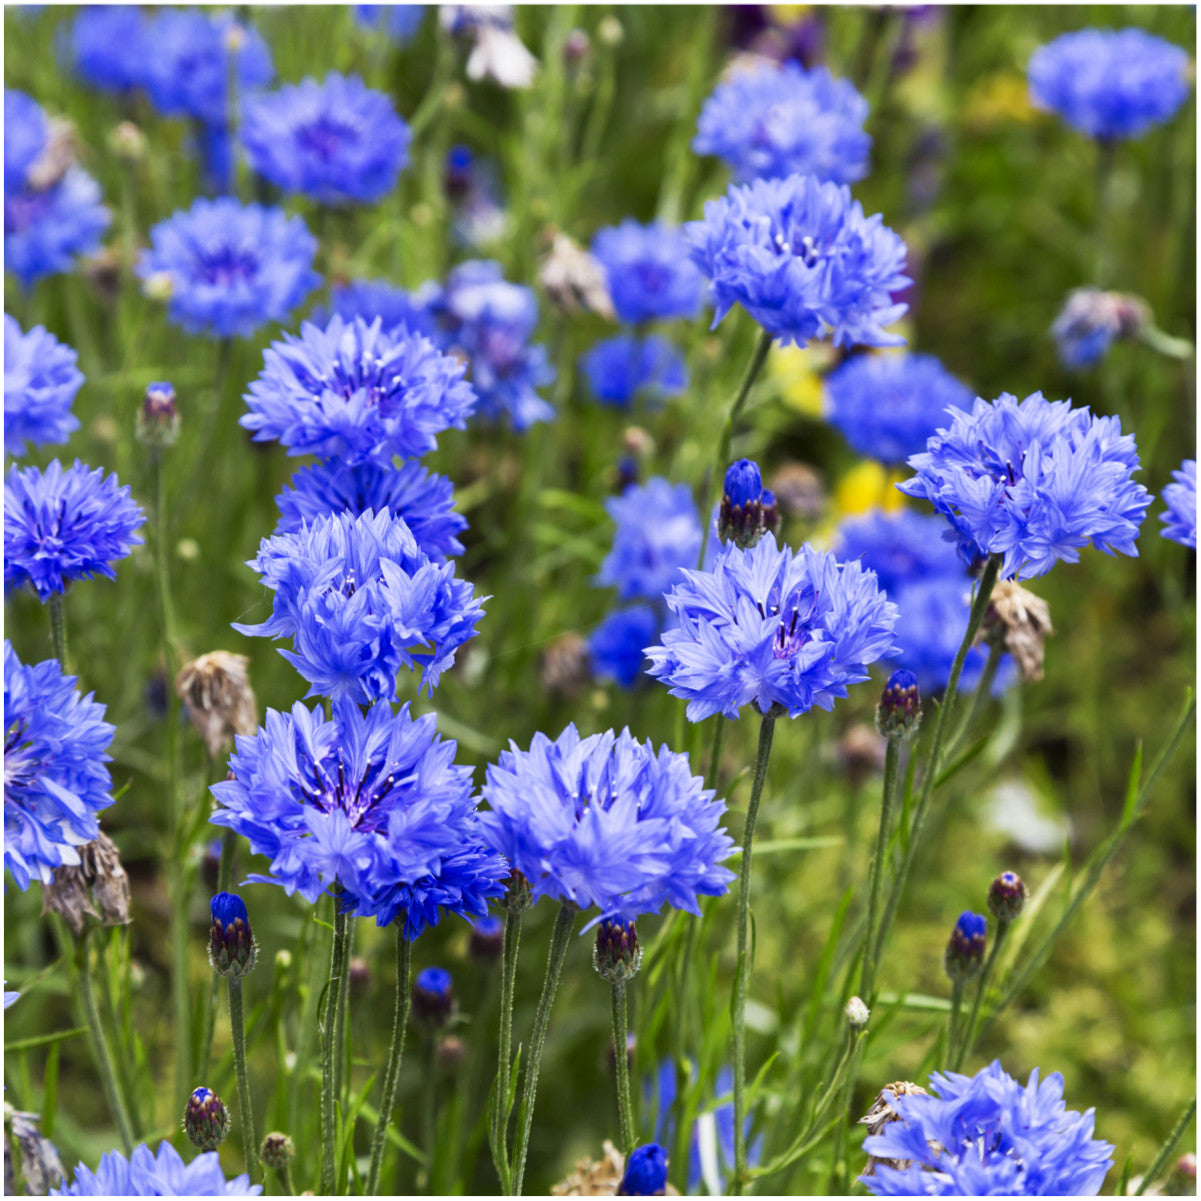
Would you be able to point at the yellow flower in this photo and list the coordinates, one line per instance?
(868, 486)
(797, 373)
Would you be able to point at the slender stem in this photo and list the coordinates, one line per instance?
(100, 1049)
(285, 1180)
(58, 628)
(533, 1065)
(953, 1021)
(250, 1147)
(719, 735)
(743, 970)
(1104, 206)
(329, 1046)
(625, 1111)
(758, 358)
(959, 1053)
(892, 759)
(980, 697)
(502, 1107)
(429, 1109)
(1165, 1152)
(400, 1019)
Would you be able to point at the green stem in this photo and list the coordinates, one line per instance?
(285, 1180)
(250, 1147)
(1165, 1152)
(400, 1019)
(758, 358)
(1165, 343)
(501, 1101)
(719, 734)
(743, 970)
(892, 759)
(1104, 207)
(533, 1065)
(959, 1053)
(429, 1110)
(330, 1063)
(625, 1111)
(58, 628)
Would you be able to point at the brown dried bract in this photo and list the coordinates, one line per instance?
(566, 666)
(1019, 622)
(879, 1116)
(99, 872)
(216, 692)
(572, 279)
(593, 1178)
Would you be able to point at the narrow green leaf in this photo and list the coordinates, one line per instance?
(43, 1040)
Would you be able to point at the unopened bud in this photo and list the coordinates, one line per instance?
(741, 517)
(964, 956)
(1006, 896)
(277, 1150)
(577, 48)
(159, 286)
(232, 949)
(433, 997)
(645, 1173)
(899, 713)
(451, 1051)
(205, 1120)
(857, 1013)
(617, 955)
(127, 142)
(610, 31)
(487, 939)
(518, 897)
(360, 976)
(157, 425)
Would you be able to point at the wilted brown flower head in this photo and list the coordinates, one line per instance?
(1019, 622)
(881, 1113)
(572, 279)
(99, 870)
(566, 666)
(861, 753)
(216, 692)
(799, 491)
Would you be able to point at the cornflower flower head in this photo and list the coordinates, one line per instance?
(398, 21)
(365, 801)
(40, 383)
(106, 45)
(425, 502)
(26, 129)
(358, 392)
(887, 405)
(231, 267)
(771, 121)
(803, 260)
(189, 57)
(360, 601)
(987, 1135)
(370, 299)
(1033, 481)
(615, 646)
(620, 368)
(651, 277)
(773, 626)
(607, 821)
(67, 525)
(1091, 319)
(55, 779)
(337, 142)
(1180, 497)
(658, 533)
(1109, 83)
(902, 548)
(156, 1174)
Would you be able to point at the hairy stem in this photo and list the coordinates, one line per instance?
(400, 1019)
(892, 759)
(250, 1148)
(625, 1111)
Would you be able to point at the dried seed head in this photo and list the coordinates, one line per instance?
(799, 490)
(573, 280)
(216, 692)
(861, 752)
(566, 667)
(1019, 622)
(881, 1113)
(98, 873)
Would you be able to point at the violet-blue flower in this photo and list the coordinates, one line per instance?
(1180, 497)
(107, 46)
(988, 1135)
(1091, 319)
(357, 392)
(26, 129)
(40, 382)
(424, 501)
(67, 525)
(368, 800)
(620, 368)
(55, 779)
(337, 141)
(1110, 83)
(374, 298)
(888, 405)
(1033, 481)
(607, 821)
(901, 548)
(803, 260)
(616, 644)
(770, 121)
(658, 533)
(156, 1174)
(361, 602)
(231, 267)
(773, 626)
(651, 277)
(399, 21)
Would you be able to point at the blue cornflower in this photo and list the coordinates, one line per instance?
(55, 780)
(40, 382)
(1033, 481)
(987, 1135)
(107, 45)
(357, 392)
(888, 405)
(360, 601)
(651, 277)
(162, 1174)
(368, 800)
(607, 821)
(424, 501)
(399, 21)
(772, 121)
(645, 1172)
(1090, 320)
(1180, 520)
(26, 131)
(802, 259)
(902, 548)
(67, 525)
(619, 368)
(772, 626)
(1109, 83)
(231, 267)
(336, 141)
(370, 299)
(658, 533)
(187, 67)
(616, 644)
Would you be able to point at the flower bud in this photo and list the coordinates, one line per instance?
(277, 1150)
(487, 939)
(964, 957)
(517, 898)
(740, 518)
(617, 955)
(157, 425)
(433, 997)
(566, 666)
(457, 177)
(577, 48)
(857, 1013)
(1182, 1182)
(159, 286)
(360, 976)
(645, 1173)
(899, 713)
(882, 1113)
(205, 1120)
(1006, 896)
(451, 1051)
(610, 31)
(127, 142)
(232, 949)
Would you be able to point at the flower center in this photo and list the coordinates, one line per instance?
(20, 765)
(225, 265)
(801, 246)
(797, 618)
(361, 800)
(325, 137)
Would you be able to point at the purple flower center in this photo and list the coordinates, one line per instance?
(326, 137)
(361, 800)
(225, 265)
(20, 765)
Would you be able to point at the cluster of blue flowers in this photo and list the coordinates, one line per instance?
(156, 1174)
(988, 1135)
(40, 383)
(622, 368)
